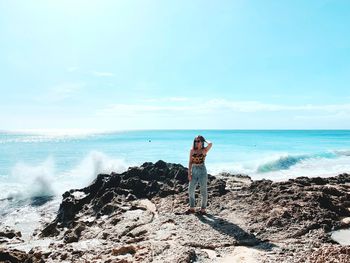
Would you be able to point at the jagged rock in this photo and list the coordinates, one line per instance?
(50, 230)
(38, 254)
(188, 257)
(147, 181)
(64, 256)
(138, 216)
(13, 256)
(74, 235)
(10, 233)
(299, 205)
(123, 250)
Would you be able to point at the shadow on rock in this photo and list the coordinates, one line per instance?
(242, 237)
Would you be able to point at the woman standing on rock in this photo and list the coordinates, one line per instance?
(197, 173)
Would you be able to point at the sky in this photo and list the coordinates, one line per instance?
(155, 64)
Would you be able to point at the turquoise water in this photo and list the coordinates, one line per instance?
(40, 164)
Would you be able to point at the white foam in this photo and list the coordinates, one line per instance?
(32, 181)
(87, 170)
(248, 165)
(311, 167)
(28, 181)
(27, 218)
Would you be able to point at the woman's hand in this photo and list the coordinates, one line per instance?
(210, 144)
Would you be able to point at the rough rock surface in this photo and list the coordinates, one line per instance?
(297, 215)
(7, 234)
(138, 216)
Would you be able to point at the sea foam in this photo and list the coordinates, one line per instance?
(282, 166)
(29, 181)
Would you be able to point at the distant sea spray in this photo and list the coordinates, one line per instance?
(30, 181)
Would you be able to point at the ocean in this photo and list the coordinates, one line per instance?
(34, 165)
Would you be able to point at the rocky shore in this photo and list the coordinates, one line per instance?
(138, 216)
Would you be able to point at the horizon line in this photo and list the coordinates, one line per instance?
(95, 131)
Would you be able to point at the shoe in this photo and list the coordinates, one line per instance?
(201, 212)
(189, 211)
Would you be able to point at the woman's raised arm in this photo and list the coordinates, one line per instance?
(210, 144)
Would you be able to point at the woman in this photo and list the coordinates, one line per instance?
(197, 173)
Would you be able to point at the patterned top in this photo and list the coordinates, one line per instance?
(198, 158)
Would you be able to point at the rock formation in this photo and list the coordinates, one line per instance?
(138, 216)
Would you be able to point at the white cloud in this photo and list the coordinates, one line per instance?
(136, 109)
(201, 106)
(241, 106)
(64, 90)
(102, 74)
(337, 116)
(255, 106)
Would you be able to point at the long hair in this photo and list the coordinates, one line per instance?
(201, 138)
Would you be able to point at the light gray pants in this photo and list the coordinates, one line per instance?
(199, 175)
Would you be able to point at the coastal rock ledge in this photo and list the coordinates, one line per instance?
(138, 216)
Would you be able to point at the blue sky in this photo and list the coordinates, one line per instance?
(111, 65)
